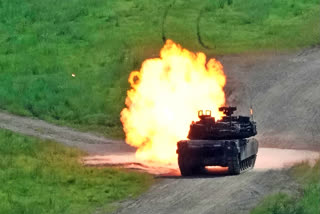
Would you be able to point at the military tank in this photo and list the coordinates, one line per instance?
(226, 142)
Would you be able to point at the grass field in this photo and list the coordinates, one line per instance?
(46, 177)
(308, 202)
(43, 42)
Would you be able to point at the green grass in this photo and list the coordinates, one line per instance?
(271, 25)
(43, 42)
(45, 177)
(308, 202)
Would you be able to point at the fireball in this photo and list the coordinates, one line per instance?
(164, 98)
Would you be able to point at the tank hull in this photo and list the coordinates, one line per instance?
(237, 154)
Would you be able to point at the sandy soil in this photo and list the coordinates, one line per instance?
(284, 91)
(209, 194)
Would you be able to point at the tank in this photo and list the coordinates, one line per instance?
(227, 142)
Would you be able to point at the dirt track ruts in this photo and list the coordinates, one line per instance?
(201, 42)
(220, 194)
(165, 14)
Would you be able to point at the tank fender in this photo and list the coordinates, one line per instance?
(232, 150)
(249, 148)
(181, 146)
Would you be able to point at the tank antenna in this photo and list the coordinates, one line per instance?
(251, 112)
(248, 91)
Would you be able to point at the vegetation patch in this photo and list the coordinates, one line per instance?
(39, 176)
(100, 41)
(308, 202)
(233, 26)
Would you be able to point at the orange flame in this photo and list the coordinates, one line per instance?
(165, 97)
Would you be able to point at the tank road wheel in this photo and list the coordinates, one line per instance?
(234, 167)
(185, 165)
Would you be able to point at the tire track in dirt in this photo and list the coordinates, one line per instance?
(214, 194)
(198, 33)
(164, 38)
(201, 42)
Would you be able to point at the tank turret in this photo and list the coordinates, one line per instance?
(229, 127)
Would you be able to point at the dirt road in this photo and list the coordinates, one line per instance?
(94, 145)
(220, 194)
(284, 90)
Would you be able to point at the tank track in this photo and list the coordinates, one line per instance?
(236, 167)
(190, 167)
